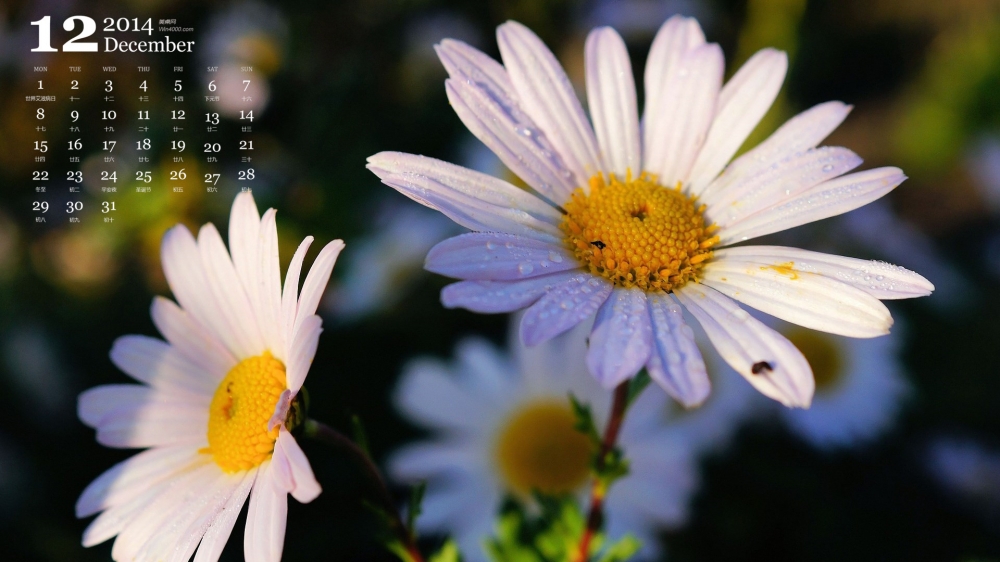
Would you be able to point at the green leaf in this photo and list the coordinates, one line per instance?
(448, 553)
(360, 437)
(620, 551)
(636, 386)
(585, 421)
(415, 508)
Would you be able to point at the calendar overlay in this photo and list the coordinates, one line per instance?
(126, 109)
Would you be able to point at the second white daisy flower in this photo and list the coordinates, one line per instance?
(214, 399)
(630, 222)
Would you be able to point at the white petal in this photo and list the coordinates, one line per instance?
(743, 102)
(782, 373)
(780, 182)
(563, 307)
(879, 279)
(297, 473)
(98, 402)
(676, 363)
(806, 299)
(290, 291)
(115, 518)
(492, 297)
(156, 363)
(268, 289)
(683, 124)
(622, 337)
(218, 533)
(798, 134)
(162, 420)
(676, 37)
(186, 525)
(190, 339)
(611, 95)
(827, 199)
(227, 289)
(472, 199)
(188, 280)
(440, 460)
(94, 403)
(150, 520)
(303, 349)
(264, 538)
(481, 94)
(124, 481)
(314, 286)
(244, 228)
(432, 396)
(498, 257)
(547, 96)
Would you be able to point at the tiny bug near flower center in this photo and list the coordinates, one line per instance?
(638, 233)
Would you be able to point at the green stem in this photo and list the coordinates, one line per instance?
(598, 489)
(325, 434)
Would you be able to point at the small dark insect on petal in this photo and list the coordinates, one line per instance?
(600, 245)
(761, 366)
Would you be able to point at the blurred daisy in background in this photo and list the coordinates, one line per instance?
(383, 266)
(502, 426)
(626, 228)
(969, 471)
(246, 34)
(861, 388)
(214, 401)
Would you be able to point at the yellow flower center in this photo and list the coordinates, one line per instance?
(638, 233)
(539, 449)
(243, 404)
(824, 356)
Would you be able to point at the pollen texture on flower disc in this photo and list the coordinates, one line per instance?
(638, 233)
(825, 356)
(243, 404)
(540, 449)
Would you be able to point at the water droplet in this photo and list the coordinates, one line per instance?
(555, 257)
(490, 246)
(566, 304)
(741, 315)
(525, 268)
(828, 168)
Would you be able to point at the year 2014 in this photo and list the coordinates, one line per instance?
(88, 27)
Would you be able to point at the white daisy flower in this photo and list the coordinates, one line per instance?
(503, 425)
(860, 388)
(213, 401)
(629, 222)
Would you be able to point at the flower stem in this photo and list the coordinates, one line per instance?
(598, 489)
(326, 434)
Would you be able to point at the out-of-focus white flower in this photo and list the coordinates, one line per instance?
(879, 229)
(984, 163)
(247, 34)
(968, 470)
(860, 387)
(36, 369)
(639, 19)
(382, 267)
(503, 425)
